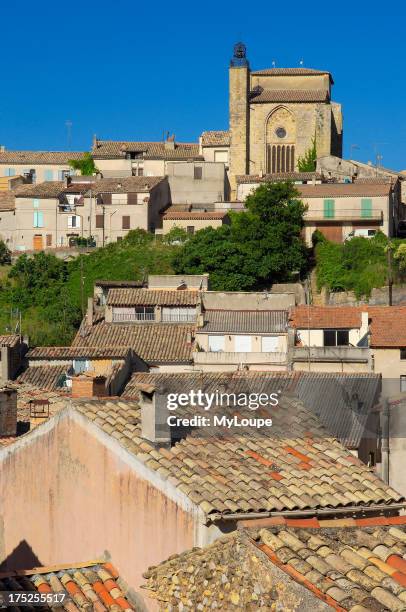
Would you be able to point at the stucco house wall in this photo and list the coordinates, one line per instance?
(93, 496)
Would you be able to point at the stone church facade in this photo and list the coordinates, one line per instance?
(276, 113)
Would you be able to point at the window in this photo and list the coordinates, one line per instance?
(99, 221)
(403, 383)
(126, 222)
(9, 171)
(329, 209)
(190, 229)
(280, 132)
(366, 208)
(49, 240)
(403, 353)
(336, 337)
(48, 175)
(62, 174)
(119, 238)
(221, 156)
(270, 344)
(242, 344)
(182, 314)
(198, 173)
(38, 219)
(216, 343)
(144, 313)
(35, 203)
(73, 221)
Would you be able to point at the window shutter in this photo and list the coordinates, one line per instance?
(49, 175)
(99, 221)
(35, 221)
(126, 222)
(106, 198)
(366, 208)
(132, 198)
(40, 219)
(329, 206)
(49, 239)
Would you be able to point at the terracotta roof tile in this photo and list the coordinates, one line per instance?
(213, 138)
(195, 215)
(39, 157)
(152, 150)
(87, 586)
(289, 72)
(152, 342)
(345, 190)
(387, 326)
(77, 352)
(44, 377)
(323, 317)
(9, 340)
(129, 184)
(47, 189)
(7, 200)
(153, 297)
(248, 484)
(348, 579)
(282, 176)
(289, 95)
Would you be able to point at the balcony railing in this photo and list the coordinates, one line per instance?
(331, 354)
(178, 318)
(344, 214)
(232, 358)
(120, 317)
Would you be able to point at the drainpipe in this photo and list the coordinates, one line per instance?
(385, 443)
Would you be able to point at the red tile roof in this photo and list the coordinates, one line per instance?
(86, 586)
(345, 190)
(77, 352)
(324, 317)
(152, 297)
(289, 72)
(387, 326)
(106, 149)
(195, 216)
(213, 138)
(290, 95)
(39, 157)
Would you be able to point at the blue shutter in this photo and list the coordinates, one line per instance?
(40, 219)
(49, 175)
(35, 222)
(366, 208)
(35, 202)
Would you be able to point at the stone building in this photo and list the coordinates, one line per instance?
(276, 113)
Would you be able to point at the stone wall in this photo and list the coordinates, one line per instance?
(379, 297)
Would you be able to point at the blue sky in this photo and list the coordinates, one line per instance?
(132, 70)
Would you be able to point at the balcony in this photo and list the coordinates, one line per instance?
(331, 354)
(132, 317)
(228, 358)
(349, 214)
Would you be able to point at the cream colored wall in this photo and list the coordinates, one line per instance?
(229, 341)
(198, 224)
(316, 336)
(24, 219)
(8, 227)
(349, 368)
(209, 153)
(40, 170)
(114, 167)
(387, 362)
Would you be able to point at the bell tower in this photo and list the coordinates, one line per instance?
(239, 113)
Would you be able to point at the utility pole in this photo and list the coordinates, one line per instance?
(103, 230)
(82, 291)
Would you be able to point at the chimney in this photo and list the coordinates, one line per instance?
(2, 148)
(89, 386)
(8, 412)
(154, 414)
(95, 144)
(90, 310)
(170, 143)
(5, 363)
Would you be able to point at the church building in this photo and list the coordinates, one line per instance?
(276, 114)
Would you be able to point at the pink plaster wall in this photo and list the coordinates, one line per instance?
(71, 498)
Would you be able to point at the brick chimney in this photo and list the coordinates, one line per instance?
(170, 143)
(89, 386)
(90, 311)
(8, 412)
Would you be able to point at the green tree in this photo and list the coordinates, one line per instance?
(86, 165)
(5, 254)
(177, 235)
(261, 245)
(307, 163)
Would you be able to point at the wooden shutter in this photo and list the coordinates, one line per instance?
(99, 221)
(49, 240)
(329, 206)
(366, 208)
(106, 198)
(132, 198)
(126, 222)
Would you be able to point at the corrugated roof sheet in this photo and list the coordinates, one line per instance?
(245, 321)
(152, 297)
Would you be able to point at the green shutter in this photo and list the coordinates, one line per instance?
(329, 206)
(366, 208)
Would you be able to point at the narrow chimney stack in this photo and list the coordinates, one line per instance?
(90, 311)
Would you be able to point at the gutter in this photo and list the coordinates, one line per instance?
(243, 516)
